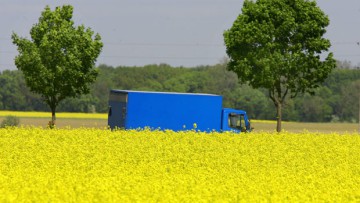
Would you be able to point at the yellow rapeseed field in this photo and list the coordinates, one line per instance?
(99, 165)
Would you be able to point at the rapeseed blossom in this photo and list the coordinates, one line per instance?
(99, 165)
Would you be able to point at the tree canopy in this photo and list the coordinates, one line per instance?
(278, 45)
(59, 60)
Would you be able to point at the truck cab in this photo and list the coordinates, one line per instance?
(235, 120)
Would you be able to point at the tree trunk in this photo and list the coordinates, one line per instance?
(279, 100)
(278, 116)
(53, 118)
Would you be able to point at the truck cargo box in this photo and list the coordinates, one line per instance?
(164, 110)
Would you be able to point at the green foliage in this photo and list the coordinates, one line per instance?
(335, 101)
(276, 45)
(58, 62)
(83, 103)
(11, 86)
(10, 121)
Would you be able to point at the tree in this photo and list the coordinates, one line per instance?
(314, 109)
(11, 96)
(253, 101)
(278, 45)
(350, 93)
(58, 62)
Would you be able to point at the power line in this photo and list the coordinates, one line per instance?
(162, 44)
(195, 44)
(171, 57)
(159, 57)
(141, 57)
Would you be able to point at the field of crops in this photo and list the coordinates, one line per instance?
(98, 165)
(99, 120)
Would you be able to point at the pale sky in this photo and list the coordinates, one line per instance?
(177, 32)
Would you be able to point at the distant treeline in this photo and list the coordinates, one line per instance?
(337, 100)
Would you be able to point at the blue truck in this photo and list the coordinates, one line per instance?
(174, 111)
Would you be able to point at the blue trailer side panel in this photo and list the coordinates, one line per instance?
(176, 111)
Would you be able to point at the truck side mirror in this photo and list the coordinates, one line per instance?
(110, 112)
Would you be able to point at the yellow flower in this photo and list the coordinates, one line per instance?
(100, 165)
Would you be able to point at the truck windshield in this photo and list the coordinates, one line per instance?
(236, 121)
